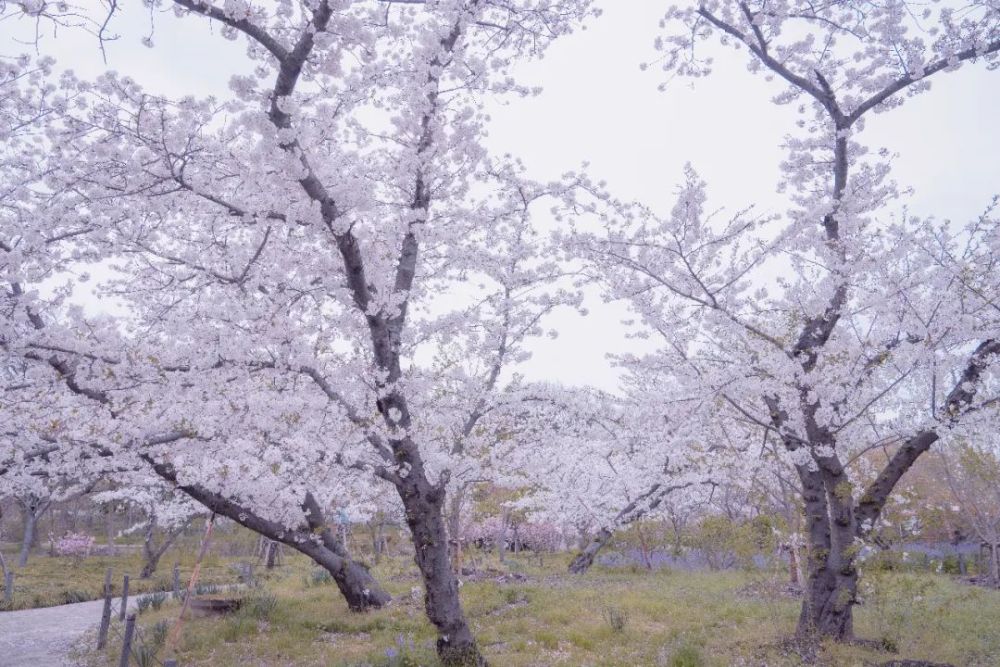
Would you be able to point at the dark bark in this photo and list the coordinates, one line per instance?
(583, 560)
(315, 540)
(149, 566)
(422, 500)
(424, 503)
(833, 522)
(151, 553)
(831, 576)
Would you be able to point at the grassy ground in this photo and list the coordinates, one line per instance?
(606, 617)
(53, 580)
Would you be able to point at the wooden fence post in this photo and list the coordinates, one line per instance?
(121, 612)
(8, 588)
(127, 640)
(177, 580)
(102, 632)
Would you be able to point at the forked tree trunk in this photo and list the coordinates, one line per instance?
(151, 553)
(424, 503)
(32, 510)
(316, 540)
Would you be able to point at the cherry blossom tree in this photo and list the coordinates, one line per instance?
(835, 326)
(165, 512)
(636, 457)
(59, 420)
(289, 244)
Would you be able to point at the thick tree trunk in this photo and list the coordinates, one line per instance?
(456, 645)
(353, 579)
(827, 610)
(832, 578)
(585, 558)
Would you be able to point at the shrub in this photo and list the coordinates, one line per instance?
(149, 644)
(206, 589)
(152, 601)
(72, 596)
(725, 543)
(950, 565)
(157, 599)
(513, 595)
(687, 655)
(158, 633)
(143, 603)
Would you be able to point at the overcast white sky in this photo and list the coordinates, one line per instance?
(597, 106)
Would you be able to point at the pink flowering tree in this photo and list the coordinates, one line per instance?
(280, 254)
(76, 545)
(836, 326)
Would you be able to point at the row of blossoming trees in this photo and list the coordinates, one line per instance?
(322, 278)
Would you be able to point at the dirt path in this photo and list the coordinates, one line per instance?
(44, 637)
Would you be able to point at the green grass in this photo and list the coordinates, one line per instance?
(673, 619)
(54, 580)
